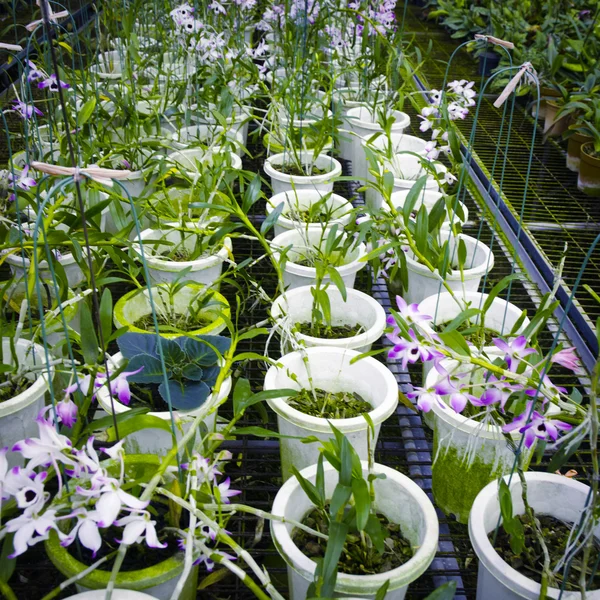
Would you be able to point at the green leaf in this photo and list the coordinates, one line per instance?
(422, 230)
(309, 488)
(89, 341)
(382, 591)
(505, 500)
(339, 499)
(462, 253)
(320, 479)
(444, 592)
(266, 433)
(137, 424)
(243, 398)
(106, 316)
(86, 112)
(362, 502)
(413, 196)
(455, 341)
(214, 577)
(335, 544)
(248, 335)
(7, 565)
(465, 315)
(336, 278)
(501, 285)
(271, 219)
(376, 533)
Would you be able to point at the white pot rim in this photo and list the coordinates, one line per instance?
(162, 264)
(475, 272)
(360, 584)
(487, 555)
(291, 267)
(120, 408)
(23, 262)
(33, 392)
(279, 159)
(378, 414)
(283, 197)
(356, 341)
(402, 120)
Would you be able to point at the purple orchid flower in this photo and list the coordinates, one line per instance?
(33, 73)
(538, 427)
(139, 527)
(410, 351)
(411, 312)
(225, 492)
(566, 358)
(119, 386)
(23, 181)
(66, 410)
(86, 529)
(515, 351)
(26, 111)
(53, 83)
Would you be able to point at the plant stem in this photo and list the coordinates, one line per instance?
(546, 572)
(262, 514)
(7, 591)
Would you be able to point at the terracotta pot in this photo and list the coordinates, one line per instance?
(589, 171)
(544, 91)
(552, 126)
(574, 148)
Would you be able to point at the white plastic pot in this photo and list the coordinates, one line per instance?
(344, 100)
(548, 494)
(501, 316)
(136, 304)
(339, 209)
(423, 283)
(163, 270)
(295, 275)
(467, 455)
(362, 123)
(282, 182)
(295, 306)
(427, 198)
(18, 414)
(329, 370)
(406, 168)
(158, 441)
(401, 500)
(19, 266)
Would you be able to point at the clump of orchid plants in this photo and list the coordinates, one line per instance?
(507, 384)
(75, 494)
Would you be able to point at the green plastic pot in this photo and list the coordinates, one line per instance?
(135, 304)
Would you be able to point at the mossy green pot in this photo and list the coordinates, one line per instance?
(158, 580)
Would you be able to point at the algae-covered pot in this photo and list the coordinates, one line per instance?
(467, 455)
(401, 500)
(589, 171)
(547, 494)
(329, 369)
(116, 595)
(158, 581)
(136, 304)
